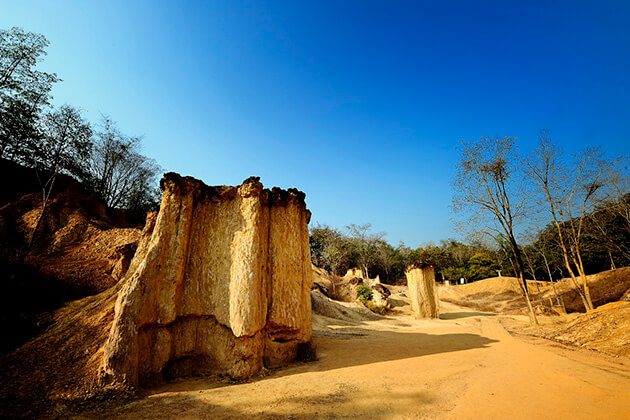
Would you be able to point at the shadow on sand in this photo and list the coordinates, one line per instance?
(338, 403)
(384, 346)
(356, 346)
(335, 352)
(459, 315)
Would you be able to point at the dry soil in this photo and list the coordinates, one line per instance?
(463, 366)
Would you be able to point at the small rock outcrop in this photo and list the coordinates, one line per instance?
(220, 285)
(353, 272)
(422, 293)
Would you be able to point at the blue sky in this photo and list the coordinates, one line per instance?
(361, 104)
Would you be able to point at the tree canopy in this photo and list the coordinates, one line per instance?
(55, 140)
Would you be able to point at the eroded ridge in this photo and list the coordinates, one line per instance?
(220, 286)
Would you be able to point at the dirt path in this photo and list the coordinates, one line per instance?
(465, 366)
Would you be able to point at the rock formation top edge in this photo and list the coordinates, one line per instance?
(250, 187)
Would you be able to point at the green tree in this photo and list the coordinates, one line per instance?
(330, 249)
(481, 266)
(24, 91)
(365, 245)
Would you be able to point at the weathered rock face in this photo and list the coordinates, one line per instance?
(379, 303)
(221, 285)
(422, 293)
(354, 273)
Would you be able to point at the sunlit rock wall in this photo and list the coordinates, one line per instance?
(422, 292)
(220, 286)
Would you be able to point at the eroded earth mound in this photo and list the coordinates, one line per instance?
(503, 294)
(81, 248)
(219, 284)
(422, 293)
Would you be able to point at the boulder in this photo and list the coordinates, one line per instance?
(384, 291)
(378, 303)
(357, 273)
(221, 284)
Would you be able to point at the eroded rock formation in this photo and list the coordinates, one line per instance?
(422, 293)
(354, 272)
(220, 286)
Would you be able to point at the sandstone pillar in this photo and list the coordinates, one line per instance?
(422, 292)
(221, 285)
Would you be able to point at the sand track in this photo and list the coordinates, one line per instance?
(465, 365)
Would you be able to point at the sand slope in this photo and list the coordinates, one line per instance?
(503, 294)
(607, 286)
(496, 294)
(606, 329)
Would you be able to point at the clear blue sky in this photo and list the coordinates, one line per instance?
(361, 104)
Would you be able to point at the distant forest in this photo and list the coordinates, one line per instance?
(605, 244)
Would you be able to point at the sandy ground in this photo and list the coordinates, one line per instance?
(464, 366)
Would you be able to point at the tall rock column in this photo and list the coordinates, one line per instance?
(422, 292)
(221, 285)
(290, 277)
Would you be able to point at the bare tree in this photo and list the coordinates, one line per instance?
(571, 191)
(365, 244)
(118, 171)
(620, 197)
(611, 220)
(66, 142)
(485, 183)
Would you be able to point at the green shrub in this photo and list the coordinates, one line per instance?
(364, 292)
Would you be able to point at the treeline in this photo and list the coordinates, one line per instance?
(55, 140)
(356, 247)
(605, 244)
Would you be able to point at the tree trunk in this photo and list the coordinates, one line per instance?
(559, 301)
(565, 256)
(582, 273)
(45, 196)
(567, 264)
(530, 308)
(612, 262)
(521, 274)
(587, 293)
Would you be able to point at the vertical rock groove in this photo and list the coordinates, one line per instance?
(422, 293)
(220, 284)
